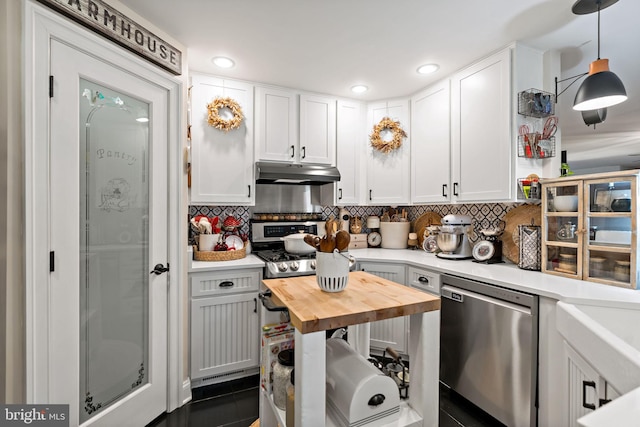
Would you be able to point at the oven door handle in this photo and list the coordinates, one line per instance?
(265, 298)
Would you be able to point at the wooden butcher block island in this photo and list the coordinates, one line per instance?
(367, 298)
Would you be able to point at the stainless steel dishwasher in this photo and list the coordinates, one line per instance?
(489, 348)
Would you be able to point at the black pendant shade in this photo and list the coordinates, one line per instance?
(602, 88)
(594, 117)
(599, 90)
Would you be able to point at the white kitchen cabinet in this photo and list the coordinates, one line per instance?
(295, 128)
(431, 144)
(276, 124)
(480, 130)
(424, 279)
(222, 163)
(317, 130)
(349, 152)
(586, 389)
(390, 332)
(388, 174)
(225, 340)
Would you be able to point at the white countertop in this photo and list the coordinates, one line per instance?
(505, 274)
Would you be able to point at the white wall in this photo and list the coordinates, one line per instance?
(12, 290)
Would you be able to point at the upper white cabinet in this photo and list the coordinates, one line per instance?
(481, 130)
(295, 130)
(276, 124)
(222, 163)
(431, 144)
(317, 130)
(350, 152)
(388, 174)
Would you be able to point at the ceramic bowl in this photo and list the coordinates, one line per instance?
(565, 203)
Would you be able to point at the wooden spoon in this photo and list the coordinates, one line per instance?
(327, 243)
(342, 240)
(312, 240)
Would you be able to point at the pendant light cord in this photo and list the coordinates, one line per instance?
(598, 2)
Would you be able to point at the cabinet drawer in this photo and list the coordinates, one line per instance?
(224, 282)
(425, 280)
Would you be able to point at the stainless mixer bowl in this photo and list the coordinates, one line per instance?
(449, 242)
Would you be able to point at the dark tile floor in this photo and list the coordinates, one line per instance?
(235, 404)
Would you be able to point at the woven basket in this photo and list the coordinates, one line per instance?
(219, 255)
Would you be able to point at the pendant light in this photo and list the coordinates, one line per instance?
(602, 88)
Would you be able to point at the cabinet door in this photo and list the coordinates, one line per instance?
(222, 163)
(481, 143)
(317, 130)
(350, 143)
(389, 332)
(276, 124)
(224, 334)
(611, 220)
(583, 386)
(388, 174)
(430, 145)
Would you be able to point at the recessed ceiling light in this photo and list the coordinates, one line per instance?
(359, 88)
(223, 62)
(427, 68)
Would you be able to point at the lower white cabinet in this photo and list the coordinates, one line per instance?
(424, 279)
(390, 332)
(225, 327)
(586, 389)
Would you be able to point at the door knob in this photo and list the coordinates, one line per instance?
(159, 269)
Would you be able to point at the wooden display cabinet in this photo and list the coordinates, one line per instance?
(589, 227)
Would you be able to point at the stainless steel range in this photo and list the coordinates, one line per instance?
(267, 243)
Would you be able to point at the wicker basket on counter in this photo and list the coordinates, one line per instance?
(219, 255)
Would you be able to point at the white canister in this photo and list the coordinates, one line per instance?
(206, 242)
(394, 234)
(373, 221)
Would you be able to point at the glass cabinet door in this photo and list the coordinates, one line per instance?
(610, 208)
(562, 228)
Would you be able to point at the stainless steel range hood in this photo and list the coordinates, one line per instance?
(287, 173)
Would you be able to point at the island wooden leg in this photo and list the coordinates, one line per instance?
(424, 353)
(310, 371)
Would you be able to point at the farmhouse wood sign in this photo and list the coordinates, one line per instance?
(107, 21)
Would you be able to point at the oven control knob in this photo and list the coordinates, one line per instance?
(313, 264)
(294, 266)
(282, 267)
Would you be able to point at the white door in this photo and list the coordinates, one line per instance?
(107, 316)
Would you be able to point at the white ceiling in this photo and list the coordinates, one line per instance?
(327, 46)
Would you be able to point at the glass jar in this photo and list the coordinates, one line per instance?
(281, 377)
(597, 266)
(291, 398)
(622, 271)
(567, 264)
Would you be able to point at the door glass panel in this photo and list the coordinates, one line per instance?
(114, 246)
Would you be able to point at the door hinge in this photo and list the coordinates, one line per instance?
(52, 265)
(50, 86)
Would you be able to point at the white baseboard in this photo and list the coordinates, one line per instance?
(186, 391)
